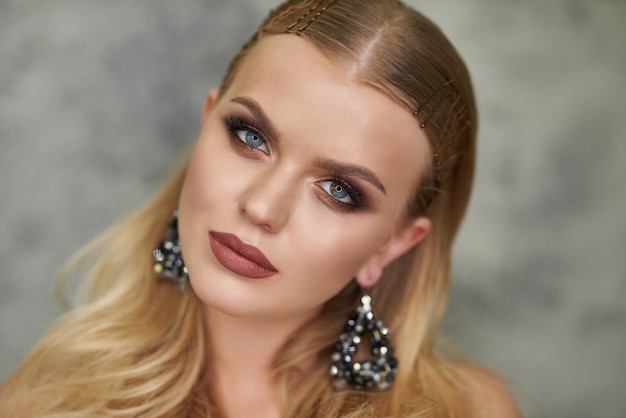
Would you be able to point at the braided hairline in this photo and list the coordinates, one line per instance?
(324, 7)
(456, 122)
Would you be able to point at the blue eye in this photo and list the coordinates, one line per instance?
(252, 139)
(337, 190)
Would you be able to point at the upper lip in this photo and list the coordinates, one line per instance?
(250, 252)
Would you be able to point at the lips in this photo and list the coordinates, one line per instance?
(239, 257)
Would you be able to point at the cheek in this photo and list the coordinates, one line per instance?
(335, 252)
(197, 179)
(205, 183)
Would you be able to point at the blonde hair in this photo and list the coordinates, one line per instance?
(119, 353)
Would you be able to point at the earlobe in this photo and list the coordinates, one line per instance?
(369, 274)
(209, 102)
(399, 243)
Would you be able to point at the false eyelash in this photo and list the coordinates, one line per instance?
(236, 122)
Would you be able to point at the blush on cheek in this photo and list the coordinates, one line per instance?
(345, 258)
(204, 173)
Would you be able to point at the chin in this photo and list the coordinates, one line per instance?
(233, 296)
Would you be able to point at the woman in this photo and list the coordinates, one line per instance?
(309, 249)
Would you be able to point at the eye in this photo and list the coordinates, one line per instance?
(242, 131)
(252, 139)
(338, 190)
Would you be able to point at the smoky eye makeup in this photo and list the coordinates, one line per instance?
(341, 194)
(244, 135)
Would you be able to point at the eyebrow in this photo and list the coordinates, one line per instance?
(259, 115)
(351, 171)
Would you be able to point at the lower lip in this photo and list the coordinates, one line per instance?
(237, 263)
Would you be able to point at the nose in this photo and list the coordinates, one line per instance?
(268, 199)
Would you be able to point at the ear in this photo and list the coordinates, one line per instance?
(399, 243)
(209, 102)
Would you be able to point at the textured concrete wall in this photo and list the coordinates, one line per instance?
(97, 99)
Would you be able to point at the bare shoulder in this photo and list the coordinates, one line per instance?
(489, 396)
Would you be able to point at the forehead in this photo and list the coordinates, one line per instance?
(330, 111)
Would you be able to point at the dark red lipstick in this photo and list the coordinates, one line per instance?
(239, 257)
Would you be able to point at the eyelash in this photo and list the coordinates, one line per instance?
(236, 123)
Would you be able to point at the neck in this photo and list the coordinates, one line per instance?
(243, 351)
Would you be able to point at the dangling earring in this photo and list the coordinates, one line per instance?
(168, 260)
(375, 373)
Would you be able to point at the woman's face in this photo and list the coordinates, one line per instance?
(297, 184)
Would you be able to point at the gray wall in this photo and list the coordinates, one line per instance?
(97, 99)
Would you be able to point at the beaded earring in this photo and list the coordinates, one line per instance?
(168, 259)
(374, 373)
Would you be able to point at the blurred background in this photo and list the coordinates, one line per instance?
(98, 101)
